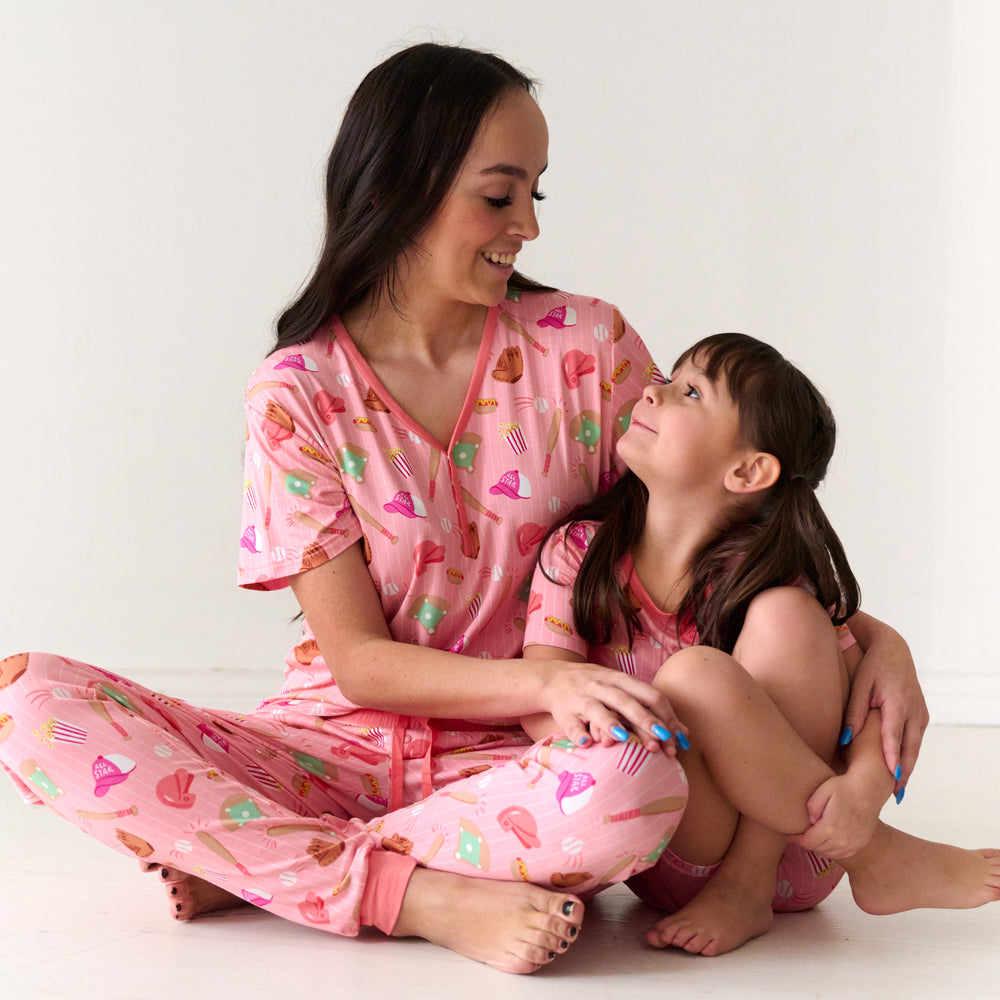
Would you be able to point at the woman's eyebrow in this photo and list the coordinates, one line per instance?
(510, 170)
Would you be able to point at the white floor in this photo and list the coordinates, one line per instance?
(78, 921)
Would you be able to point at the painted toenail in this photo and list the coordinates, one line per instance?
(173, 892)
(564, 945)
(178, 907)
(567, 908)
(164, 874)
(552, 954)
(573, 932)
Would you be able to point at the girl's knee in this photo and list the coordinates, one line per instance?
(786, 617)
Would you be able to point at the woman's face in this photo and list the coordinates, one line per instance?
(467, 252)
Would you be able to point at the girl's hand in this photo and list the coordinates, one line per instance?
(589, 702)
(843, 812)
(886, 679)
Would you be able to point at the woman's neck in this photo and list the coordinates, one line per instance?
(426, 333)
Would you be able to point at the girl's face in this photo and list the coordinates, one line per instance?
(467, 252)
(684, 435)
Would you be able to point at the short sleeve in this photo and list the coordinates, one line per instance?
(296, 513)
(550, 619)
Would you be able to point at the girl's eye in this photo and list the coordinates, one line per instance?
(692, 392)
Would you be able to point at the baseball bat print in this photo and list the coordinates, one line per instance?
(585, 476)
(550, 444)
(281, 830)
(436, 844)
(311, 522)
(478, 505)
(88, 814)
(433, 463)
(669, 804)
(512, 324)
(99, 708)
(261, 386)
(267, 496)
(219, 851)
(368, 519)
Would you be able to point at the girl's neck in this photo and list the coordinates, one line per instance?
(672, 536)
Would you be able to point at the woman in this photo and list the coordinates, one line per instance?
(409, 442)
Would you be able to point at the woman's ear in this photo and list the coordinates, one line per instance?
(758, 471)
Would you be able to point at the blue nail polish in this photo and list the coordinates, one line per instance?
(619, 734)
(583, 741)
(899, 772)
(661, 732)
(682, 741)
(846, 736)
(900, 794)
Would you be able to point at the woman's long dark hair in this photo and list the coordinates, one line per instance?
(786, 537)
(404, 136)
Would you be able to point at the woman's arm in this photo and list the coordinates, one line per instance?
(373, 670)
(886, 679)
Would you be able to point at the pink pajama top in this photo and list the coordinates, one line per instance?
(551, 623)
(452, 532)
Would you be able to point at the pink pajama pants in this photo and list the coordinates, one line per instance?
(294, 812)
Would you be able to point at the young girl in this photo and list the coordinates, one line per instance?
(715, 536)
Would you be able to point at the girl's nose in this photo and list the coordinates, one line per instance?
(653, 394)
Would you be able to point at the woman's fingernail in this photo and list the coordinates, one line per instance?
(682, 741)
(846, 736)
(567, 909)
(899, 772)
(900, 794)
(661, 732)
(619, 733)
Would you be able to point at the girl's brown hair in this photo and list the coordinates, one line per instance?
(786, 538)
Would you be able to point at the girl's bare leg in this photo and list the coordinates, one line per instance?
(745, 753)
(512, 926)
(788, 647)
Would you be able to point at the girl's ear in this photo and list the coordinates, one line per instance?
(758, 471)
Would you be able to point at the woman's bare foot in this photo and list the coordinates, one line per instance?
(896, 871)
(189, 896)
(728, 912)
(512, 926)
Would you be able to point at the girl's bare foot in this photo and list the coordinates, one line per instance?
(728, 912)
(189, 896)
(896, 872)
(512, 926)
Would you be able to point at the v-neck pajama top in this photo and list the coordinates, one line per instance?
(450, 533)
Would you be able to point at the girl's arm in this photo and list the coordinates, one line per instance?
(886, 679)
(844, 809)
(375, 671)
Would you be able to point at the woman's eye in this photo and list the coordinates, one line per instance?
(499, 202)
(538, 196)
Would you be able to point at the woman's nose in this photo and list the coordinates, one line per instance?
(525, 225)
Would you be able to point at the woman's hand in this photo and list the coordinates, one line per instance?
(886, 679)
(589, 702)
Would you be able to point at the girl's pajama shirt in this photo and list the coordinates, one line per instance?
(804, 878)
(313, 807)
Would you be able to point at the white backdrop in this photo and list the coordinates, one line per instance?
(820, 175)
